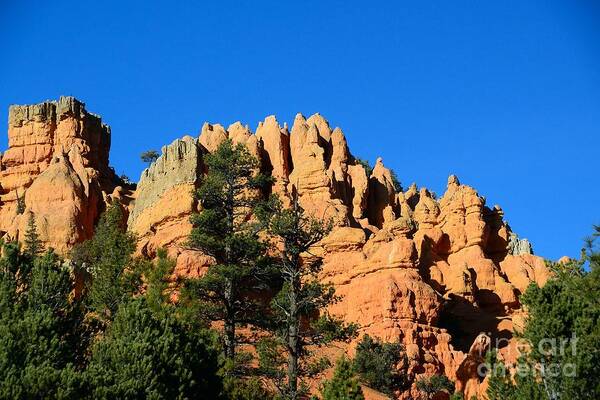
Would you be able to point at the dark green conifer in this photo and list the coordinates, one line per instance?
(224, 230)
(299, 316)
(344, 384)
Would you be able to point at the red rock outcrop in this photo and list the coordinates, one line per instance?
(56, 167)
(431, 273)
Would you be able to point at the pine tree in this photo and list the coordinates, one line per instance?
(382, 366)
(143, 356)
(562, 333)
(157, 276)
(302, 296)
(429, 386)
(224, 230)
(36, 329)
(108, 261)
(149, 156)
(33, 244)
(344, 384)
(20, 203)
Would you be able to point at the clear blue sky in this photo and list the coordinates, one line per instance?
(505, 94)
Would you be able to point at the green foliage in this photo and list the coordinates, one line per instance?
(344, 383)
(563, 332)
(501, 386)
(36, 319)
(33, 245)
(157, 276)
(240, 388)
(222, 230)
(271, 358)
(149, 156)
(125, 180)
(380, 365)
(107, 258)
(143, 356)
(429, 386)
(302, 296)
(395, 181)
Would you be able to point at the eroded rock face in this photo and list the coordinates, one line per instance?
(164, 200)
(431, 273)
(56, 167)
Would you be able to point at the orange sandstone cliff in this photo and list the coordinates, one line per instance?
(56, 168)
(443, 276)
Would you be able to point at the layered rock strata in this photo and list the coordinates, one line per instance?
(55, 169)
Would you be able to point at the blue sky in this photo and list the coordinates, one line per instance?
(505, 94)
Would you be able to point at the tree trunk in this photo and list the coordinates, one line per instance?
(293, 346)
(229, 323)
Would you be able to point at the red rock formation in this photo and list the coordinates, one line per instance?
(430, 273)
(56, 166)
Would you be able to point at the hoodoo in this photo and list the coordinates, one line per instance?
(432, 273)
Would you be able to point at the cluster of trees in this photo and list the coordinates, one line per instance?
(90, 332)
(103, 325)
(562, 334)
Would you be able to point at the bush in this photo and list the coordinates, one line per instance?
(434, 384)
(381, 366)
(142, 356)
(344, 384)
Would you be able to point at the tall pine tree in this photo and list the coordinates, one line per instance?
(299, 317)
(224, 230)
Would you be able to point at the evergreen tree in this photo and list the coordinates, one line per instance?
(107, 260)
(344, 384)
(429, 386)
(33, 244)
(36, 328)
(382, 366)
(145, 356)
(157, 276)
(223, 229)
(563, 332)
(149, 156)
(302, 297)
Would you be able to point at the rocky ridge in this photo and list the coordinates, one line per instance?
(432, 273)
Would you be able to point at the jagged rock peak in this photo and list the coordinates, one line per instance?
(178, 151)
(517, 246)
(211, 136)
(321, 124)
(238, 133)
(453, 180)
(65, 201)
(270, 120)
